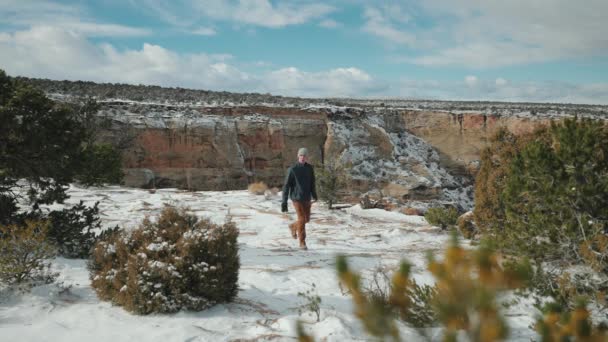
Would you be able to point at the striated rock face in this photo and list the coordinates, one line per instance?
(381, 155)
(215, 150)
(410, 156)
(396, 151)
(459, 138)
(229, 148)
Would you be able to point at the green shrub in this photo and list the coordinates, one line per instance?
(25, 254)
(467, 226)
(107, 162)
(442, 217)
(48, 145)
(8, 207)
(554, 195)
(495, 165)
(73, 230)
(178, 262)
(312, 302)
(566, 288)
(544, 195)
(330, 179)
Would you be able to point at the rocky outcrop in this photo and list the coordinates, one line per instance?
(405, 157)
(459, 138)
(381, 155)
(412, 151)
(229, 148)
(214, 149)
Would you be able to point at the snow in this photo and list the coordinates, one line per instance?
(406, 160)
(273, 271)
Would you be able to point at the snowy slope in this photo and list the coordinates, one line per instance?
(273, 271)
(408, 161)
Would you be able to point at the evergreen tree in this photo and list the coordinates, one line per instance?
(496, 160)
(544, 194)
(49, 145)
(555, 195)
(331, 178)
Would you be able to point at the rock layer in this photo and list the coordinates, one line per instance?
(215, 150)
(408, 155)
(403, 150)
(460, 138)
(229, 148)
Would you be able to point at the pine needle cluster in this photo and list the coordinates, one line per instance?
(464, 299)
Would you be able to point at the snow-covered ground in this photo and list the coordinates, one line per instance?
(273, 271)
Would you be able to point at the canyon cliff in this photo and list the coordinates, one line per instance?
(413, 152)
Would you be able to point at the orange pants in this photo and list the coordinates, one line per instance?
(303, 211)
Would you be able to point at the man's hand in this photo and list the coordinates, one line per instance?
(283, 207)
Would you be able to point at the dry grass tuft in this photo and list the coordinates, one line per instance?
(257, 188)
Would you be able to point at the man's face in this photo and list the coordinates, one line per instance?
(302, 159)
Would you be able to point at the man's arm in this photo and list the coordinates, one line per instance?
(313, 187)
(286, 187)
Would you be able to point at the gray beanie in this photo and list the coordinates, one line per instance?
(303, 151)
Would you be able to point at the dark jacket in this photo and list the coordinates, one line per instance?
(300, 183)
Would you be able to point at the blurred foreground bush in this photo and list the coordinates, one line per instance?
(464, 300)
(559, 325)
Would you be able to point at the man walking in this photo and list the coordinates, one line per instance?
(300, 187)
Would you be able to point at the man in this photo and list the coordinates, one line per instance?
(300, 187)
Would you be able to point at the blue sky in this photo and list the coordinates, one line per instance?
(542, 50)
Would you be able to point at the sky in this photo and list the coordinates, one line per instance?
(517, 50)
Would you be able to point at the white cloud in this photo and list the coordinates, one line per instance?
(485, 34)
(23, 14)
(59, 54)
(489, 90)
(55, 53)
(329, 23)
(166, 11)
(379, 23)
(264, 13)
(27, 9)
(62, 54)
(262, 64)
(102, 30)
(338, 82)
(471, 81)
(500, 82)
(483, 55)
(204, 31)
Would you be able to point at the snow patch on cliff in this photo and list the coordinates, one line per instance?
(397, 158)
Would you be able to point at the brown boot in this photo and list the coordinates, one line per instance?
(292, 228)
